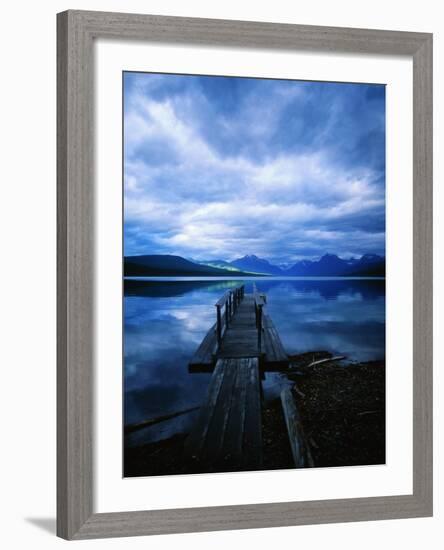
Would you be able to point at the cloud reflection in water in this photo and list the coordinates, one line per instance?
(165, 321)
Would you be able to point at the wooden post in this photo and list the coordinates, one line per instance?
(259, 327)
(219, 326)
(227, 311)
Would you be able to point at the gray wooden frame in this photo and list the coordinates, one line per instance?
(76, 32)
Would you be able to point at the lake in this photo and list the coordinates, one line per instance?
(165, 320)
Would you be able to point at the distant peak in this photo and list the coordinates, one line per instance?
(370, 257)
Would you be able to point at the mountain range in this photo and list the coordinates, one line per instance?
(329, 265)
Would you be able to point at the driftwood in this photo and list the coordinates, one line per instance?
(145, 423)
(298, 442)
(328, 360)
(363, 413)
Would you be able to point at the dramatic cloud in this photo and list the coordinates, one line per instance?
(216, 167)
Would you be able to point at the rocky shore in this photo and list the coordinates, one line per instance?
(342, 408)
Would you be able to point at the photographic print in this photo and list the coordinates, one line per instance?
(254, 274)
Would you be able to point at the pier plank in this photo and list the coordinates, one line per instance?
(204, 355)
(233, 441)
(275, 354)
(253, 428)
(214, 439)
(228, 433)
(197, 437)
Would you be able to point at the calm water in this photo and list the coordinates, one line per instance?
(166, 319)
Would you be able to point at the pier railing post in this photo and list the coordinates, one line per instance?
(219, 325)
(259, 326)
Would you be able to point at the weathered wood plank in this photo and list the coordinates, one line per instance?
(214, 439)
(275, 354)
(233, 443)
(298, 443)
(252, 449)
(204, 355)
(227, 434)
(198, 435)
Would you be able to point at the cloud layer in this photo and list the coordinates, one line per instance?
(218, 167)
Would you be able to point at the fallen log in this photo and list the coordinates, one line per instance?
(299, 446)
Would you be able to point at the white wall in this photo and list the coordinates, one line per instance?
(28, 215)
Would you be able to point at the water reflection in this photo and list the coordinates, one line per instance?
(165, 321)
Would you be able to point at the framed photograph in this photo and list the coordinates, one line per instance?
(244, 274)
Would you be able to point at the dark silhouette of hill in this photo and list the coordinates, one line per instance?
(157, 265)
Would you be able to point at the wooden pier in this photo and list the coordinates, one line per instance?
(238, 348)
(242, 329)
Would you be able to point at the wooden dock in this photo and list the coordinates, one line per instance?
(241, 344)
(242, 329)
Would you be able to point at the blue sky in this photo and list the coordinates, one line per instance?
(220, 167)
